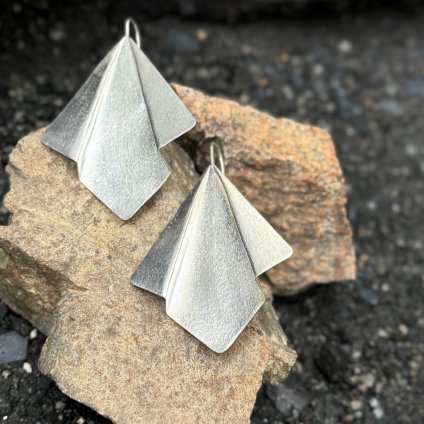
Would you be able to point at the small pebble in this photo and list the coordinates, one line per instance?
(364, 382)
(413, 365)
(57, 34)
(182, 42)
(27, 367)
(13, 347)
(392, 107)
(400, 242)
(391, 90)
(382, 333)
(378, 413)
(318, 69)
(418, 245)
(201, 34)
(286, 399)
(379, 387)
(368, 295)
(263, 82)
(17, 8)
(358, 414)
(6, 374)
(33, 334)
(356, 354)
(80, 420)
(377, 410)
(356, 404)
(371, 205)
(59, 406)
(403, 329)
(411, 150)
(345, 46)
(396, 208)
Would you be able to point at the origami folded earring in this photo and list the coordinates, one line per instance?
(206, 261)
(116, 123)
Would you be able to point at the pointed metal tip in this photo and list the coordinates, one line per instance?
(125, 41)
(289, 252)
(222, 345)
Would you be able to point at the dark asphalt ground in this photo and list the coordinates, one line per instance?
(360, 344)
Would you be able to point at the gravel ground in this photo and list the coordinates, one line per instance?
(361, 343)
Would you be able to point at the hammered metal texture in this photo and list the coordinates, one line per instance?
(206, 261)
(114, 126)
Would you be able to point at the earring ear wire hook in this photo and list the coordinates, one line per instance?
(213, 150)
(131, 23)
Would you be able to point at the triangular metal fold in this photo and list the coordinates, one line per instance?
(154, 273)
(265, 246)
(206, 260)
(65, 133)
(119, 160)
(212, 291)
(114, 126)
(169, 116)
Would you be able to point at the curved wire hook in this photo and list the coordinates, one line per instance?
(212, 148)
(131, 23)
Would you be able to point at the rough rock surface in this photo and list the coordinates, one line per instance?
(291, 174)
(111, 345)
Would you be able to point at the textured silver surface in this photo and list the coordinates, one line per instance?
(114, 126)
(206, 261)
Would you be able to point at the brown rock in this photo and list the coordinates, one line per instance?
(291, 174)
(111, 345)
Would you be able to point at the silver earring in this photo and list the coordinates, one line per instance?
(115, 125)
(206, 261)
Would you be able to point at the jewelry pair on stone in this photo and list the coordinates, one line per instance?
(206, 260)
